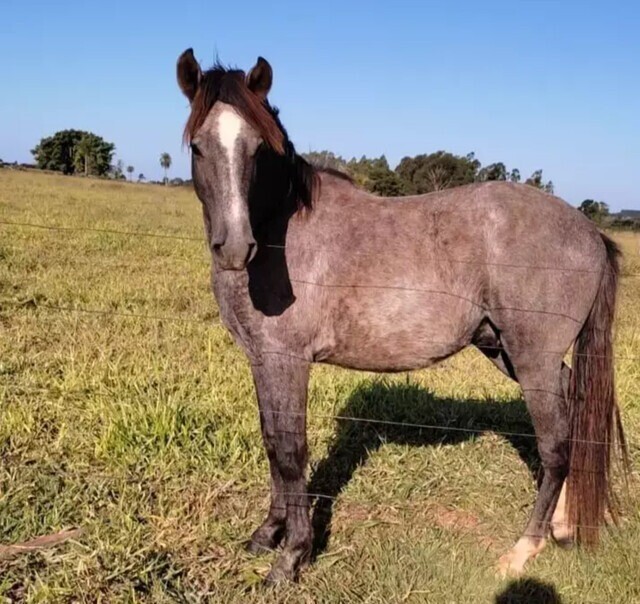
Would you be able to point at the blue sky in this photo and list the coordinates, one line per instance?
(537, 84)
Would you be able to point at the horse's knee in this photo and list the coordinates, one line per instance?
(289, 452)
(554, 454)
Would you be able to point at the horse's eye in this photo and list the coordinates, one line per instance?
(195, 150)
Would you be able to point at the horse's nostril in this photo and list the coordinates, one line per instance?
(217, 247)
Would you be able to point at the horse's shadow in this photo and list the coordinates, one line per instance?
(374, 404)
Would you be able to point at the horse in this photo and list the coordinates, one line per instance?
(309, 268)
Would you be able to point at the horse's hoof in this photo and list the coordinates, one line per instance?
(508, 566)
(284, 569)
(565, 543)
(513, 562)
(257, 549)
(563, 535)
(279, 575)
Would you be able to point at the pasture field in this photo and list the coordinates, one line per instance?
(138, 425)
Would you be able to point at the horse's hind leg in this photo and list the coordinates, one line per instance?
(487, 340)
(542, 385)
(563, 533)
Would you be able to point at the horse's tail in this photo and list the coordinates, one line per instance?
(595, 424)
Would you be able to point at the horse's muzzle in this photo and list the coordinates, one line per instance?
(234, 256)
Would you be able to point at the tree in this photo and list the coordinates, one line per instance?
(535, 180)
(83, 155)
(92, 155)
(130, 169)
(386, 183)
(496, 171)
(326, 159)
(141, 177)
(165, 162)
(74, 151)
(421, 174)
(598, 211)
(375, 175)
(117, 170)
(437, 178)
(372, 174)
(436, 171)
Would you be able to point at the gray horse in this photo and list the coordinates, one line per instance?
(309, 268)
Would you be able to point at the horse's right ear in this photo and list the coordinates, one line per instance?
(189, 74)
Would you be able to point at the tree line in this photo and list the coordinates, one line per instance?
(85, 153)
(430, 172)
(423, 173)
(599, 212)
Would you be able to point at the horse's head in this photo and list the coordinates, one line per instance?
(230, 121)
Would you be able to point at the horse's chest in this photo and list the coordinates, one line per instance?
(237, 312)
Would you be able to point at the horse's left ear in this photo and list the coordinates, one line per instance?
(260, 78)
(189, 74)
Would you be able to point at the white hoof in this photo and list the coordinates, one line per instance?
(513, 562)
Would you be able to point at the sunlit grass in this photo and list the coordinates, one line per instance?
(144, 432)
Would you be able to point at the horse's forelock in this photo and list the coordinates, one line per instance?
(229, 86)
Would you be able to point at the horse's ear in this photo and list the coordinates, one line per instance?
(260, 78)
(189, 74)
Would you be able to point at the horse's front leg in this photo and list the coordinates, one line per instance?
(271, 532)
(281, 385)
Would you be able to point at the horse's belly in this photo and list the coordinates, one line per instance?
(389, 358)
(399, 332)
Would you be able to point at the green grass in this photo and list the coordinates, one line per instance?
(144, 433)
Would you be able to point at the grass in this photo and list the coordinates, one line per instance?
(144, 433)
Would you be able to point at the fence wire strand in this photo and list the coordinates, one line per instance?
(399, 506)
(52, 227)
(367, 420)
(283, 247)
(31, 304)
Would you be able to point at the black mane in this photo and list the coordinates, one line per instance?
(301, 177)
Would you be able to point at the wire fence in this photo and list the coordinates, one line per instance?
(52, 227)
(445, 428)
(39, 305)
(397, 505)
(32, 304)
(36, 304)
(323, 504)
(180, 237)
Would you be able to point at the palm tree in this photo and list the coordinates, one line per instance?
(141, 177)
(165, 162)
(83, 152)
(130, 169)
(118, 169)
